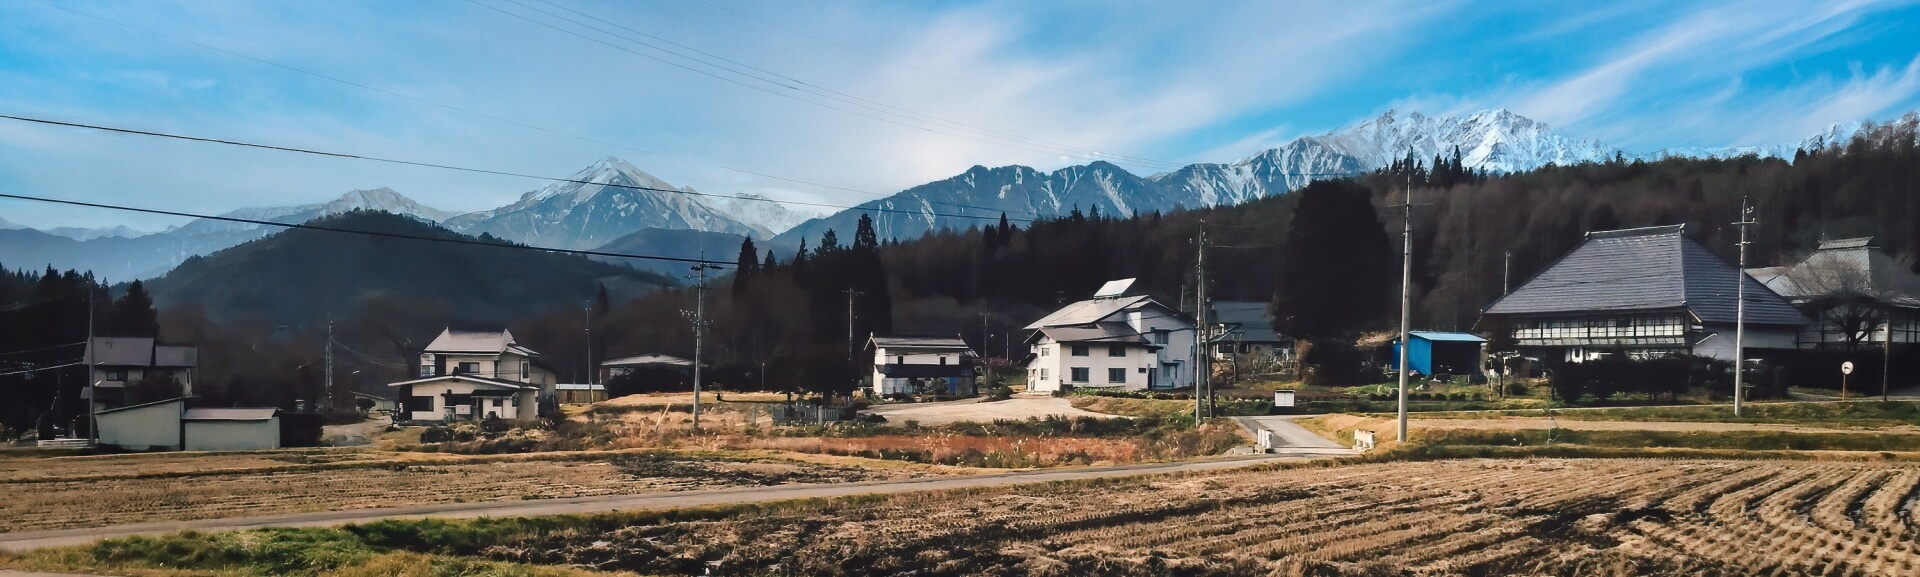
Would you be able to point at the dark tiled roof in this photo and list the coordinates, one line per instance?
(1249, 319)
(1115, 333)
(1644, 269)
(919, 343)
(926, 371)
(120, 351)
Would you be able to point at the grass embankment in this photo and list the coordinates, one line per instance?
(1835, 414)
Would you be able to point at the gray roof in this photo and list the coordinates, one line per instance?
(1645, 269)
(452, 341)
(927, 343)
(181, 400)
(138, 352)
(230, 414)
(166, 356)
(120, 351)
(1111, 333)
(469, 378)
(1844, 269)
(1249, 320)
(643, 360)
(1088, 311)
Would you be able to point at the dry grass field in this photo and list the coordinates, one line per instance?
(70, 492)
(1464, 517)
(1474, 517)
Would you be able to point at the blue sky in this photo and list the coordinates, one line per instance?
(1169, 82)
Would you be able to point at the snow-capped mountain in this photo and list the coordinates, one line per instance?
(760, 212)
(598, 204)
(78, 233)
(118, 256)
(1493, 140)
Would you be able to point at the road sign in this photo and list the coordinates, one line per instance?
(1846, 368)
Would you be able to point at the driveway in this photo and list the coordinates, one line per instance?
(1288, 435)
(975, 410)
(602, 504)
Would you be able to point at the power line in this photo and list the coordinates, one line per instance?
(35, 370)
(906, 65)
(782, 80)
(749, 85)
(482, 114)
(460, 168)
(44, 348)
(305, 226)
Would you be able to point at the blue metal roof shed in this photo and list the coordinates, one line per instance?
(1434, 353)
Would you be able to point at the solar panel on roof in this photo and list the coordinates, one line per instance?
(1114, 288)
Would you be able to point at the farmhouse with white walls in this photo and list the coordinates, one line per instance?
(1111, 341)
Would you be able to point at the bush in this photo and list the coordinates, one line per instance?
(1517, 389)
(436, 435)
(998, 393)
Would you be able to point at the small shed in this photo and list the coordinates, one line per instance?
(231, 429)
(579, 393)
(143, 427)
(1435, 353)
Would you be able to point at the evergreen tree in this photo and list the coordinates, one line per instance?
(747, 266)
(133, 314)
(829, 244)
(864, 239)
(769, 264)
(1336, 266)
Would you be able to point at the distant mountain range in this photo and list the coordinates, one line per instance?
(611, 201)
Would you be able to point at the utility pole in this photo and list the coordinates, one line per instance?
(93, 422)
(699, 331)
(1406, 296)
(1740, 312)
(587, 306)
(1886, 358)
(1199, 315)
(1506, 276)
(327, 395)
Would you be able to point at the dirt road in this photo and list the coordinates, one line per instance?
(37, 539)
(974, 410)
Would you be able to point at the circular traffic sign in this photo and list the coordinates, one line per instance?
(1846, 368)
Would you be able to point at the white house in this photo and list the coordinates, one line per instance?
(475, 375)
(120, 363)
(923, 365)
(1111, 340)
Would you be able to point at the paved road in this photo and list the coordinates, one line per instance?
(663, 500)
(1289, 435)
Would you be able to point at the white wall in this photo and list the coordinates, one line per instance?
(1059, 363)
(150, 427)
(233, 435)
(438, 389)
(908, 356)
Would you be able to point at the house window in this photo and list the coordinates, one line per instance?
(117, 375)
(900, 360)
(496, 403)
(1160, 337)
(1080, 351)
(1080, 374)
(525, 372)
(457, 400)
(1044, 352)
(420, 404)
(467, 368)
(1043, 374)
(1117, 376)
(1117, 351)
(943, 360)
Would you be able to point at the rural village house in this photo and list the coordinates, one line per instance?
(1644, 291)
(468, 375)
(1855, 294)
(1245, 328)
(923, 365)
(1113, 341)
(119, 363)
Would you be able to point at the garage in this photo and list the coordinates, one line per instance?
(231, 429)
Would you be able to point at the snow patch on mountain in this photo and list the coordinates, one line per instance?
(1492, 140)
(78, 233)
(761, 212)
(602, 202)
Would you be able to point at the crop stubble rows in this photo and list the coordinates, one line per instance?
(1479, 517)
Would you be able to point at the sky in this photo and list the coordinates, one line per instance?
(843, 102)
